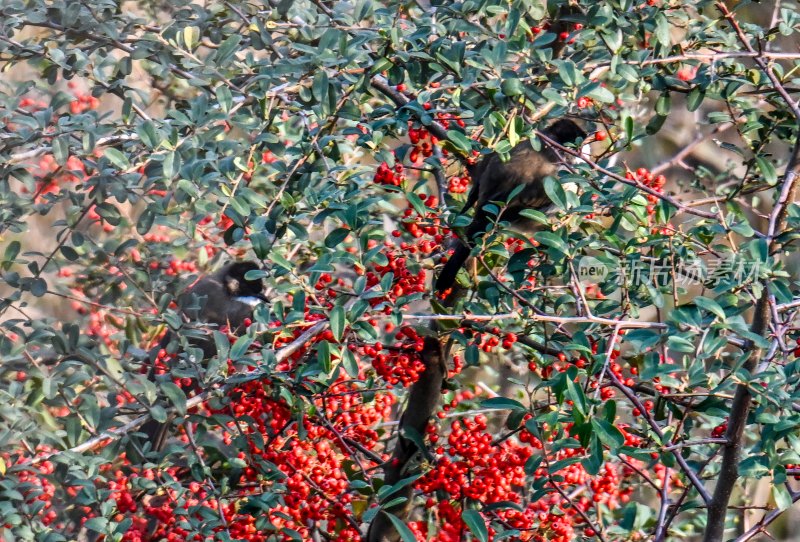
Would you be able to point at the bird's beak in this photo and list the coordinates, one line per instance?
(262, 297)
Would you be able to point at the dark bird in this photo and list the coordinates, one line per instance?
(494, 180)
(223, 299)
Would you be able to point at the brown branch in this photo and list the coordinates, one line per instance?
(687, 470)
(759, 527)
(689, 148)
(422, 401)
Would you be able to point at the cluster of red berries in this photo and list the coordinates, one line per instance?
(471, 466)
(459, 399)
(458, 185)
(314, 468)
(406, 281)
(562, 36)
(446, 118)
(423, 143)
(687, 73)
(514, 244)
(51, 177)
(419, 225)
(391, 176)
(32, 104)
(35, 488)
(83, 102)
(400, 364)
(267, 157)
(656, 182)
(324, 281)
(103, 326)
(493, 338)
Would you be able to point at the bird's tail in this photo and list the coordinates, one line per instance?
(447, 277)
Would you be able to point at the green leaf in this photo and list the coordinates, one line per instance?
(460, 141)
(191, 35)
(695, 99)
(145, 222)
(783, 499)
(227, 48)
(608, 434)
(537, 9)
(594, 460)
(336, 237)
(601, 94)
(661, 32)
(148, 134)
(117, 158)
(69, 253)
(555, 96)
(158, 413)
(380, 65)
(281, 261)
(240, 346)
(767, 170)
(568, 73)
(324, 355)
(108, 212)
(502, 403)
(576, 395)
(176, 396)
(319, 87)
(711, 306)
(416, 203)
(38, 287)
(555, 192)
(113, 367)
(628, 128)
(655, 124)
(337, 319)
(61, 150)
(97, 525)
(552, 239)
(12, 251)
(350, 363)
(681, 344)
(476, 524)
(512, 87)
(663, 104)
(613, 39)
(171, 165)
(224, 98)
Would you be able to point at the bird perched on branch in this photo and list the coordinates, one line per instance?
(494, 181)
(225, 299)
